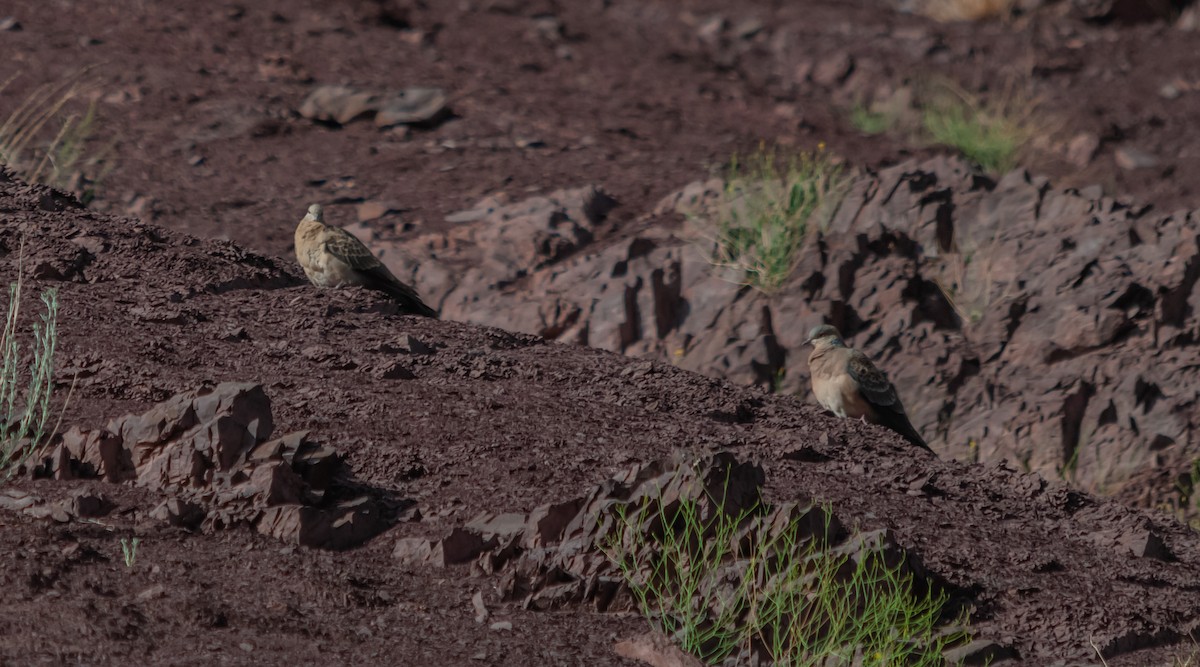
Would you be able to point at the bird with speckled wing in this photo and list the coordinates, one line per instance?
(332, 257)
(847, 384)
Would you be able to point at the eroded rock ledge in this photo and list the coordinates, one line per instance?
(210, 452)
(1021, 321)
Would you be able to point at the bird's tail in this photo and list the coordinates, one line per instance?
(910, 434)
(898, 422)
(408, 299)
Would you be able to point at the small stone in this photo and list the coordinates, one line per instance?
(246, 646)
(89, 504)
(1082, 148)
(373, 210)
(412, 550)
(411, 105)
(460, 546)
(10, 23)
(802, 71)
(481, 612)
(471, 215)
(140, 206)
(1189, 19)
(978, 652)
(710, 30)
(833, 70)
(154, 592)
(655, 649)
(17, 501)
(394, 371)
(501, 626)
(748, 28)
(1132, 158)
(1147, 544)
(410, 344)
(1169, 92)
(504, 526)
(179, 512)
(526, 142)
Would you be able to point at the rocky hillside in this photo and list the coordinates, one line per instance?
(347, 424)
(1049, 327)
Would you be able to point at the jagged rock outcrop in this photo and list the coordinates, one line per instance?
(1043, 326)
(210, 451)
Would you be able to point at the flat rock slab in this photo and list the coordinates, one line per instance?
(342, 105)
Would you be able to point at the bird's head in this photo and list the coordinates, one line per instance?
(315, 212)
(824, 336)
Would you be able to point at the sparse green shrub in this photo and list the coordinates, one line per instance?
(871, 122)
(767, 212)
(26, 383)
(992, 134)
(44, 143)
(725, 585)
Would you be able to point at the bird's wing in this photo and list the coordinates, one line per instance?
(872, 383)
(881, 394)
(346, 247)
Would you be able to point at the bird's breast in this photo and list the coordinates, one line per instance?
(837, 391)
(840, 395)
(853, 403)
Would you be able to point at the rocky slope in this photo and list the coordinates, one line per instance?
(639, 98)
(441, 422)
(1049, 327)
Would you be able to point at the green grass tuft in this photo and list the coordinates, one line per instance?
(26, 382)
(727, 585)
(991, 135)
(871, 122)
(767, 212)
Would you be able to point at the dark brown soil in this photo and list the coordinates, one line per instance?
(200, 102)
(489, 421)
(200, 99)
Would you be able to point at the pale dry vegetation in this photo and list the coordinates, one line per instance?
(50, 136)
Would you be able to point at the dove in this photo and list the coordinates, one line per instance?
(332, 257)
(847, 384)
